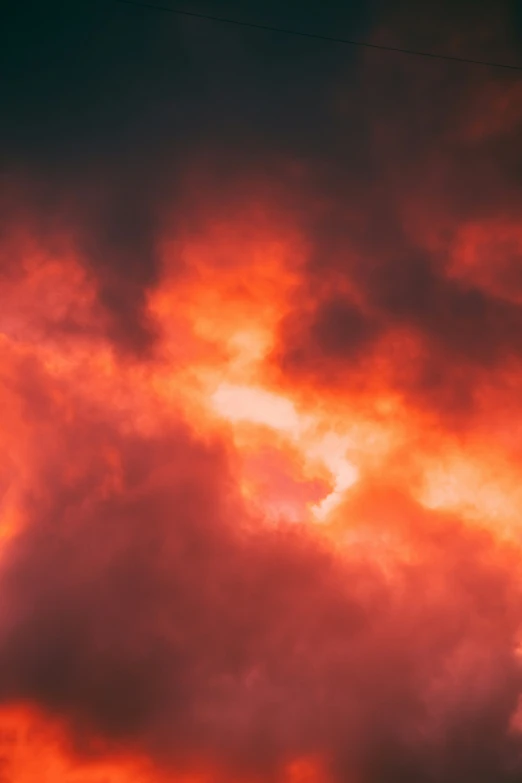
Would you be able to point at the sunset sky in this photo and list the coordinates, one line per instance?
(261, 394)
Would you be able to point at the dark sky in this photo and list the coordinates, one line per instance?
(90, 79)
(85, 75)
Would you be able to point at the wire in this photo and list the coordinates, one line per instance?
(317, 36)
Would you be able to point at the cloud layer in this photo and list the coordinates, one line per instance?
(339, 228)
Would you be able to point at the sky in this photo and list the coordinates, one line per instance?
(260, 372)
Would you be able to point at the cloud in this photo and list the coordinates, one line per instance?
(142, 604)
(396, 280)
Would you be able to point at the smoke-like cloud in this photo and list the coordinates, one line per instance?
(143, 603)
(182, 203)
(398, 260)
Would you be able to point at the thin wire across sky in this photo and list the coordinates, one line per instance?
(318, 36)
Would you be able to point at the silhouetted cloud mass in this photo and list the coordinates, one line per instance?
(145, 601)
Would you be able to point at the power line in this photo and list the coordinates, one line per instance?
(318, 37)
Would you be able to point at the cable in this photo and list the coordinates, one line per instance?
(317, 36)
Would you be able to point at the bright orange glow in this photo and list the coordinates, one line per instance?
(33, 748)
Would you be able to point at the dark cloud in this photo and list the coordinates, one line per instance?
(341, 329)
(107, 109)
(143, 605)
(107, 106)
(467, 323)
(140, 600)
(435, 162)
